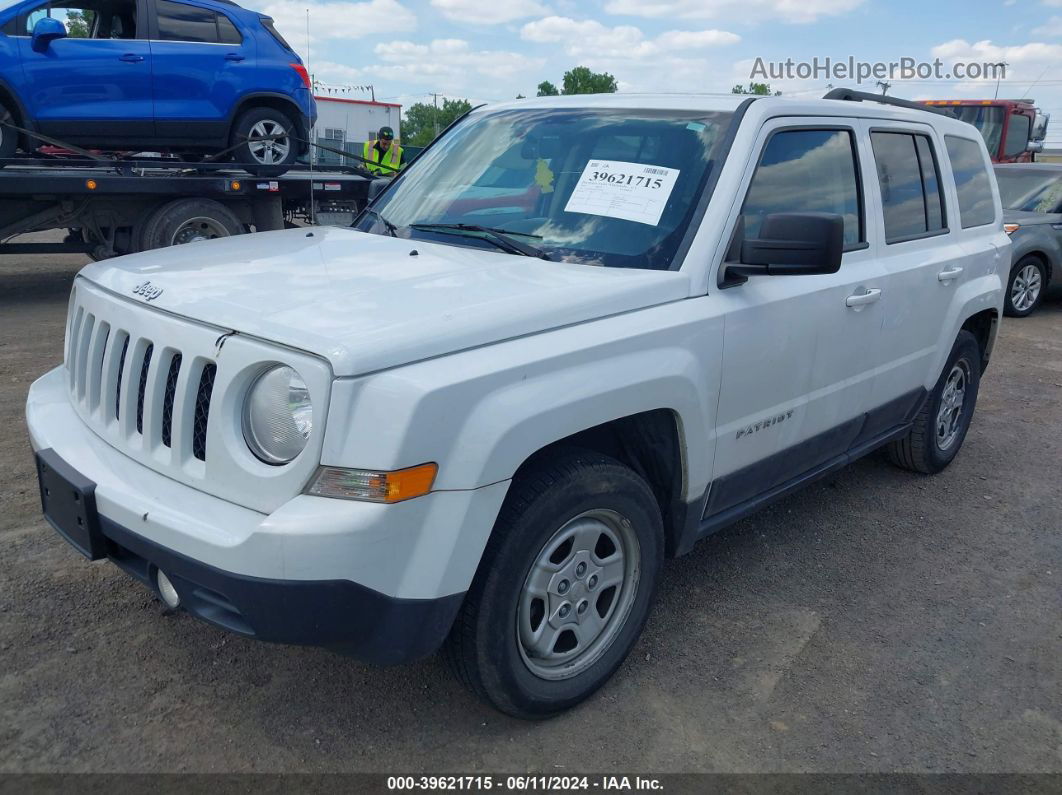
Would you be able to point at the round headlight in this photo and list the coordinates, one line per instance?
(278, 415)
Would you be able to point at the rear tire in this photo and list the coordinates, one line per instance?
(564, 586)
(1025, 287)
(265, 158)
(941, 425)
(8, 136)
(186, 221)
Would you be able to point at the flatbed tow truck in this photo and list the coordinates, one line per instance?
(119, 206)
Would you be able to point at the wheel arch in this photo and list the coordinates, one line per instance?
(983, 325)
(270, 99)
(650, 443)
(10, 100)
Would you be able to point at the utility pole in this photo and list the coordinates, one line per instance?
(435, 115)
(884, 87)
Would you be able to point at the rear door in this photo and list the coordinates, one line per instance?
(201, 60)
(926, 259)
(798, 351)
(94, 86)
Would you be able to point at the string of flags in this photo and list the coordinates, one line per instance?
(331, 88)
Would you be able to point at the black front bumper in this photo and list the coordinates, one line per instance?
(339, 614)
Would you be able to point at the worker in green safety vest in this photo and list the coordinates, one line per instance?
(384, 151)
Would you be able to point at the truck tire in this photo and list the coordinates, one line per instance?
(564, 586)
(269, 158)
(1025, 287)
(8, 137)
(942, 423)
(186, 221)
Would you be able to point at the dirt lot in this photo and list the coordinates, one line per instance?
(878, 621)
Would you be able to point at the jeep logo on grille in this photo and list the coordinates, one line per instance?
(149, 291)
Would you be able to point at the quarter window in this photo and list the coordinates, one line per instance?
(972, 182)
(806, 171)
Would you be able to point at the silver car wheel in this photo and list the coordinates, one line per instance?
(268, 143)
(198, 229)
(1025, 289)
(952, 399)
(578, 594)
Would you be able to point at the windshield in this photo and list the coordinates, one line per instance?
(988, 120)
(605, 187)
(1032, 191)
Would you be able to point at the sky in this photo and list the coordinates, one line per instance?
(492, 50)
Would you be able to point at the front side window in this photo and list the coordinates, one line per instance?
(911, 198)
(806, 171)
(92, 19)
(1034, 191)
(180, 22)
(617, 188)
(972, 182)
(1017, 135)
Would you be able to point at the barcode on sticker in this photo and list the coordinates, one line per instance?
(650, 170)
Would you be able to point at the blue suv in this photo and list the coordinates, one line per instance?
(189, 77)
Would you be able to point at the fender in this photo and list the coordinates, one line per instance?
(9, 97)
(973, 296)
(481, 413)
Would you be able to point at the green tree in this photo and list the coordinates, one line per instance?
(547, 89)
(423, 120)
(757, 89)
(581, 80)
(79, 23)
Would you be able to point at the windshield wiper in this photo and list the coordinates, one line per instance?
(392, 230)
(499, 237)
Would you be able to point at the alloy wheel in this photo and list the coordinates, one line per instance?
(1025, 288)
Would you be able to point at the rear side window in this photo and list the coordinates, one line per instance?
(909, 180)
(806, 171)
(180, 22)
(972, 182)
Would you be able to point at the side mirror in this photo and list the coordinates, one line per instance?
(791, 244)
(45, 32)
(1034, 146)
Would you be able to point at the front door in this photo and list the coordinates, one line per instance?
(94, 86)
(798, 351)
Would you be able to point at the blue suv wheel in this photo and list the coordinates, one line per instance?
(266, 140)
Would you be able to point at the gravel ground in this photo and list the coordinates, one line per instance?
(879, 621)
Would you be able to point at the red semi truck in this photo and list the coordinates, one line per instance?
(1013, 129)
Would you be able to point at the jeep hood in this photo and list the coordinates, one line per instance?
(366, 302)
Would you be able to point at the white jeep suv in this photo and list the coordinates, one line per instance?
(576, 336)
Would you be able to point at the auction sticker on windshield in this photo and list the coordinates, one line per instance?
(615, 189)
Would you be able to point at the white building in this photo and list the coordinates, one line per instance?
(347, 123)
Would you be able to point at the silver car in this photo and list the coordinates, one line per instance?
(1031, 194)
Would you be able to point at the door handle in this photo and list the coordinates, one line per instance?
(131, 57)
(860, 299)
(949, 274)
(234, 56)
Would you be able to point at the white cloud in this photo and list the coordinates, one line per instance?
(450, 61)
(489, 12)
(338, 19)
(590, 39)
(767, 10)
(1051, 28)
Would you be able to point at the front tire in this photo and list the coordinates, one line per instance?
(265, 141)
(564, 587)
(1025, 288)
(941, 425)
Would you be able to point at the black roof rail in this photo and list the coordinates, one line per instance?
(862, 96)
